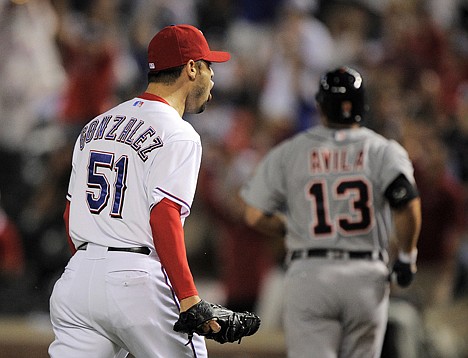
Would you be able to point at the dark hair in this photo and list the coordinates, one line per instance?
(169, 75)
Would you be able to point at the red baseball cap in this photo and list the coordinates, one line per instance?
(175, 45)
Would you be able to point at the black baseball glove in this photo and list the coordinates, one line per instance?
(234, 325)
(402, 273)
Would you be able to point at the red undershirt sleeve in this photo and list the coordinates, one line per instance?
(66, 219)
(168, 238)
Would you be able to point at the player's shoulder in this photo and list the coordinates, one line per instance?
(165, 120)
(372, 136)
(380, 140)
(383, 147)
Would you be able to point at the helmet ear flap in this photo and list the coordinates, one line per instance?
(319, 97)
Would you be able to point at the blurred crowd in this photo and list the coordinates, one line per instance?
(62, 62)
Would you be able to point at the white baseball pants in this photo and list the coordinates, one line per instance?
(106, 303)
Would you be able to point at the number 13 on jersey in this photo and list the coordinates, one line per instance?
(350, 199)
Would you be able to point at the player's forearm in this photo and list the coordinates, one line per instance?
(407, 226)
(270, 225)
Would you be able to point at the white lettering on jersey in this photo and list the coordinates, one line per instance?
(335, 161)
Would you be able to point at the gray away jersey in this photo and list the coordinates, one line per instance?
(330, 184)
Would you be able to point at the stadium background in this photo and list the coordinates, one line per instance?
(64, 61)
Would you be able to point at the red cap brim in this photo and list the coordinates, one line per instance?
(217, 56)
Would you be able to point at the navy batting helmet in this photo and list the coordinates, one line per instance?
(341, 96)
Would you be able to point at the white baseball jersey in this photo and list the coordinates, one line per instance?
(331, 185)
(124, 162)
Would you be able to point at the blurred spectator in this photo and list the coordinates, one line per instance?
(215, 16)
(444, 12)
(414, 42)
(353, 25)
(443, 215)
(456, 136)
(41, 222)
(12, 263)
(413, 51)
(460, 289)
(88, 49)
(27, 35)
(141, 20)
(387, 113)
(302, 49)
(249, 37)
(89, 52)
(244, 256)
(456, 140)
(12, 266)
(410, 38)
(31, 77)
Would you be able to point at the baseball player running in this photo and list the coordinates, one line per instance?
(338, 186)
(133, 179)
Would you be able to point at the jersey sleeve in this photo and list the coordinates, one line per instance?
(168, 237)
(176, 173)
(266, 189)
(395, 162)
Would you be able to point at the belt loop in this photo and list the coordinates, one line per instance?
(383, 255)
(95, 251)
(294, 255)
(288, 259)
(82, 246)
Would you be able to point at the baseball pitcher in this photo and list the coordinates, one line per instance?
(128, 286)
